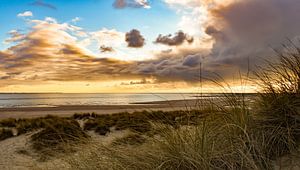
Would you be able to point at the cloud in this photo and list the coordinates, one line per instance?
(104, 49)
(25, 14)
(186, 3)
(231, 33)
(76, 19)
(247, 29)
(179, 38)
(51, 51)
(120, 4)
(15, 36)
(43, 4)
(116, 39)
(134, 39)
(174, 66)
(235, 31)
(140, 82)
(193, 15)
(111, 37)
(191, 60)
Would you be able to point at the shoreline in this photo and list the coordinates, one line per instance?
(69, 110)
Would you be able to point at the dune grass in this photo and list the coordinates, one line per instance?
(57, 137)
(232, 137)
(54, 136)
(279, 104)
(130, 139)
(102, 124)
(218, 140)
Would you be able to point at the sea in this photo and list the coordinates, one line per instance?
(15, 100)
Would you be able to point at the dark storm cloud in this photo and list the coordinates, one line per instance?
(182, 65)
(134, 39)
(247, 29)
(178, 39)
(191, 60)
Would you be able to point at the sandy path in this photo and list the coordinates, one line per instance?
(10, 159)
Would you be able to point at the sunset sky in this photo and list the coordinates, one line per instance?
(138, 45)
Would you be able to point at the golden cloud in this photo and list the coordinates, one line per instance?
(231, 33)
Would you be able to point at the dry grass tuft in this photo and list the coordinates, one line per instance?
(58, 137)
(279, 104)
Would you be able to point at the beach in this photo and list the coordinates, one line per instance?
(69, 110)
(25, 105)
(193, 102)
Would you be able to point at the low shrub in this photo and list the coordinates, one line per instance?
(8, 123)
(102, 130)
(5, 134)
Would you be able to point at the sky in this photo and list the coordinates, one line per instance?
(129, 46)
